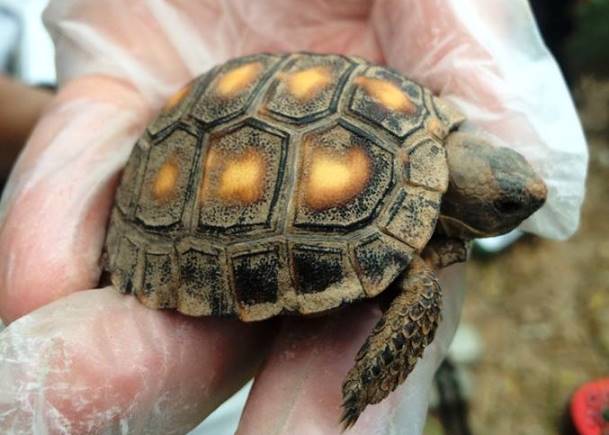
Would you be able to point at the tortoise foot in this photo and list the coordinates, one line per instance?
(396, 343)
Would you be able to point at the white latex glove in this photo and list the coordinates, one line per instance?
(96, 361)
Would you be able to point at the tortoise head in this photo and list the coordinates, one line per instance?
(491, 189)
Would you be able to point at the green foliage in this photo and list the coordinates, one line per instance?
(589, 47)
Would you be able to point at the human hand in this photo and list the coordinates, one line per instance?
(97, 361)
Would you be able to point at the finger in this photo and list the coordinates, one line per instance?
(55, 207)
(488, 58)
(157, 46)
(287, 26)
(100, 362)
(298, 390)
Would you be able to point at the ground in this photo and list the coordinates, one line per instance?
(542, 307)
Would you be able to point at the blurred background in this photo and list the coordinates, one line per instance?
(536, 319)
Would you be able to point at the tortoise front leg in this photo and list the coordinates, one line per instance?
(397, 341)
(408, 325)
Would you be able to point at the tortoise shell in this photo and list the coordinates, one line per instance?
(276, 184)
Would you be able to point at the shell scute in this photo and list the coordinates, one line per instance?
(232, 88)
(241, 178)
(412, 216)
(343, 179)
(166, 181)
(306, 88)
(388, 100)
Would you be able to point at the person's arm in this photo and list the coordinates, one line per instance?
(20, 108)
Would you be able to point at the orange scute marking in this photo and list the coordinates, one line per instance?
(175, 99)
(334, 178)
(236, 80)
(234, 179)
(165, 180)
(306, 84)
(386, 93)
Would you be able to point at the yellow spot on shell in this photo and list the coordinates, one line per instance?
(233, 179)
(236, 80)
(386, 93)
(165, 180)
(334, 178)
(306, 84)
(176, 98)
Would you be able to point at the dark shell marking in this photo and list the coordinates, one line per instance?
(277, 184)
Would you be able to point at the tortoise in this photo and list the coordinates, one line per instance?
(298, 183)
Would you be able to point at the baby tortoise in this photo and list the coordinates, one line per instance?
(299, 183)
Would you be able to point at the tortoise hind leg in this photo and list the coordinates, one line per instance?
(397, 341)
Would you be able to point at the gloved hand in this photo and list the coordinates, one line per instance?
(95, 361)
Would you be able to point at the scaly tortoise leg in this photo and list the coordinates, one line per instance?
(408, 325)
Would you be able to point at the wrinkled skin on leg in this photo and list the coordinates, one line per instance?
(408, 325)
(396, 343)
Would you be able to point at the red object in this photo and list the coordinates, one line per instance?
(590, 408)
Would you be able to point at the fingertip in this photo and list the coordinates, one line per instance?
(298, 390)
(50, 253)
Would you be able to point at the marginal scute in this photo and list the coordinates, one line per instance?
(160, 280)
(257, 276)
(163, 194)
(412, 216)
(306, 88)
(426, 166)
(125, 274)
(386, 99)
(322, 276)
(113, 239)
(241, 179)
(316, 269)
(359, 172)
(380, 259)
(436, 128)
(448, 113)
(203, 284)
